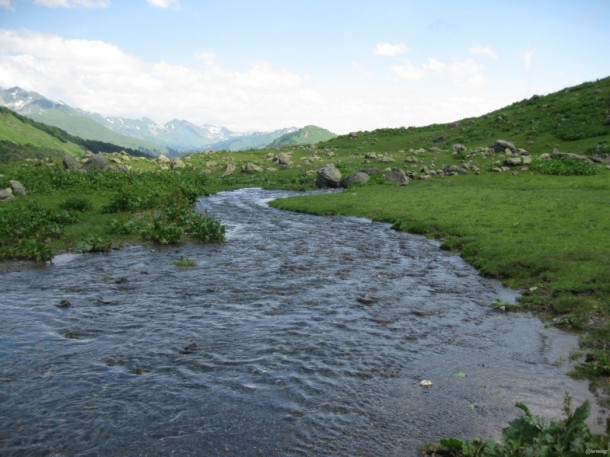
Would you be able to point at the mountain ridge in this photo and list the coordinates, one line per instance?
(174, 138)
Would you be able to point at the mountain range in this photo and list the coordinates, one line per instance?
(175, 137)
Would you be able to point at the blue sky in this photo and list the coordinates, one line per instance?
(262, 65)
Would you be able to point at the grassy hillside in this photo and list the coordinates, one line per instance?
(21, 138)
(84, 127)
(575, 119)
(309, 134)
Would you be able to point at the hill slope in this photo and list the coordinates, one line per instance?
(73, 121)
(575, 119)
(309, 134)
(22, 138)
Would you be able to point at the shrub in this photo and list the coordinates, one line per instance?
(76, 204)
(563, 166)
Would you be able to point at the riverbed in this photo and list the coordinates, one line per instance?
(301, 335)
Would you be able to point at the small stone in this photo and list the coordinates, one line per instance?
(64, 304)
(426, 383)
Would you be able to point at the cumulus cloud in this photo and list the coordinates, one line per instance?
(478, 50)
(73, 3)
(408, 71)
(6, 4)
(100, 77)
(390, 50)
(175, 4)
(463, 73)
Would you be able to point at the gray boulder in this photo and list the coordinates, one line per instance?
(70, 163)
(328, 176)
(17, 187)
(176, 162)
(356, 178)
(230, 168)
(398, 177)
(570, 155)
(503, 145)
(282, 159)
(6, 195)
(250, 167)
(97, 162)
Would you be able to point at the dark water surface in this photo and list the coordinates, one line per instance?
(301, 335)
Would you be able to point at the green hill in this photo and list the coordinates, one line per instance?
(80, 125)
(22, 138)
(575, 119)
(309, 134)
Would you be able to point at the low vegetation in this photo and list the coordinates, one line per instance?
(531, 436)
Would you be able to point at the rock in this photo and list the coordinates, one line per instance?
(230, 168)
(250, 167)
(459, 147)
(122, 168)
(64, 304)
(502, 145)
(6, 195)
(358, 177)
(70, 163)
(370, 155)
(17, 187)
(570, 155)
(283, 159)
(397, 176)
(96, 162)
(600, 158)
(545, 156)
(176, 162)
(513, 161)
(426, 383)
(411, 159)
(435, 149)
(386, 159)
(328, 176)
(162, 159)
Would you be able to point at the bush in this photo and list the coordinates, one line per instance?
(76, 204)
(563, 166)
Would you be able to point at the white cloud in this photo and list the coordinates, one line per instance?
(6, 4)
(478, 50)
(527, 60)
(390, 50)
(463, 73)
(408, 71)
(100, 77)
(175, 4)
(73, 3)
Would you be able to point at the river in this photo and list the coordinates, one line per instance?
(300, 336)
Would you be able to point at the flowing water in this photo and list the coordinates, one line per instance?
(301, 335)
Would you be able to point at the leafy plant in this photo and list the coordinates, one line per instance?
(530, 436)
(563, 166)
(94, 244)
(76, 204)
(185, 263)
